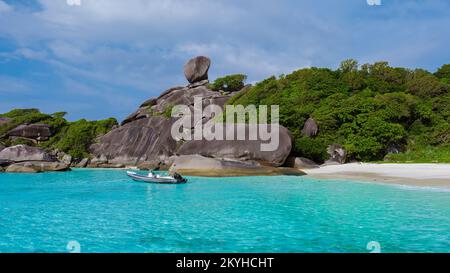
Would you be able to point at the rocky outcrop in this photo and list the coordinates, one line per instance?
(110, 166)
(395, 149)
(5, 163)
(20, 169)
(163, 105)
(37, 167)
(26, 159)
(39, 132)
(139, 141)
(21, 153)
(197, 68)
(243, 150)
(24, 140)
(197, 84)
(337, 154)
(141, 113)
(159, 165)
(66, 159)
(145, 138)
(150, 165)
(4, 121)
(310, 129)
(62, 156)
(150, 140)
(301, 163)
(185, 96)
(82, 164)
(196, 165)
(149, 103)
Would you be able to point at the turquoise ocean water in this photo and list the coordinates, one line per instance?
(104, 211)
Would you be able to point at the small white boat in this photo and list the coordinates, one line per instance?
(157, 179)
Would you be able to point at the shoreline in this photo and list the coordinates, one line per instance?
(433, 175)
(418, 175)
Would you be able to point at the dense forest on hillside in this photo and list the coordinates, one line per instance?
(73, 138)
(373, 110)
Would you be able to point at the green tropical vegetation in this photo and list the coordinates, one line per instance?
(375, 111)
(73, 138)
(427, 154)
(372, 110)
(229, 83)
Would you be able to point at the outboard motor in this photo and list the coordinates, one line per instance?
(179, 178)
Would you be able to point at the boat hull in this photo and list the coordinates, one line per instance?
(154, 180)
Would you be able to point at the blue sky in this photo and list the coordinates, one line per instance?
(104, 57)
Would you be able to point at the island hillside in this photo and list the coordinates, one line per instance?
(372, 112)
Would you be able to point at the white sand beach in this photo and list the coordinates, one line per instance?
(427, 175)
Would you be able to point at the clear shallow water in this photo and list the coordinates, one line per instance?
(106, 212)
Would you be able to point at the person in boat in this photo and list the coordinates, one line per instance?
(152, 174)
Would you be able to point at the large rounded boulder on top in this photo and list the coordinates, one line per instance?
(197, 68)
(32, 131)
(21, 153)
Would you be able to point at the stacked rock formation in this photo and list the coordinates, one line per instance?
(145, 138)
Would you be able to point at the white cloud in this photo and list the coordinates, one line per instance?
(31, 54)
(4, 7)
(124, 42)
(141, 45)
(67, 51)
(73, 2)
(138, 11)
